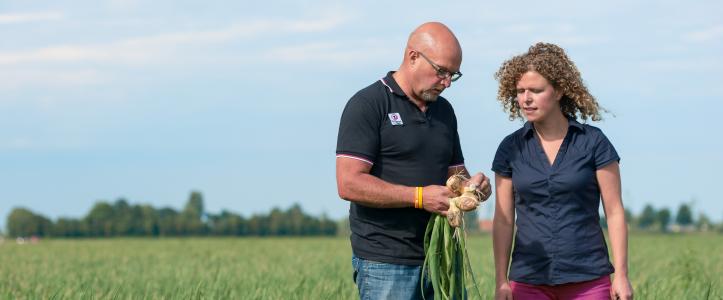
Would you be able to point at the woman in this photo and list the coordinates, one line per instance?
(552, 173)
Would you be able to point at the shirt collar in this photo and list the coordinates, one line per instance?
(527, 129)
(392, 85)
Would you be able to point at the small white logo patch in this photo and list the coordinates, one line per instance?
(396, 119)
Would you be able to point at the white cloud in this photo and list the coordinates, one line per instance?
(236, 31)
(338, 52)
(700, 64)
(714, 33)
(66, 65)
(123, 4)
(54, 54)
(18, 78)
(565, 41)
(530, 28)
(161, 47)
(30, 17)
(563, 34)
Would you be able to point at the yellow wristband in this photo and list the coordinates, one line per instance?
(420, 199)
(416, 198)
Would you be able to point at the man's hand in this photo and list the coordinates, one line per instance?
(436, 199)
(484, 189)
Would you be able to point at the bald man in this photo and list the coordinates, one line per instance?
(397, 145)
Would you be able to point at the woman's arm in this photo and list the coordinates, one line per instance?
(608, 178)
(502, 230)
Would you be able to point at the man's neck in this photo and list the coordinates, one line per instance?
(403, 84)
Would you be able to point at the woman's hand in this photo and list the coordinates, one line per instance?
(503, 292)
(621, 289)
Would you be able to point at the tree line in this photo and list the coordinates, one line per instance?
(662, 219)
(106, 219)
(120, 218)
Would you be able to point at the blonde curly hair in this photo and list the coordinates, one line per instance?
(552, 63)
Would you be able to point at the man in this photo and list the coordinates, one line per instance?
(397, 145)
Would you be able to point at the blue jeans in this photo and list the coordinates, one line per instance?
(377, 280)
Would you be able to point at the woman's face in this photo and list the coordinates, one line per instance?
(537, 98)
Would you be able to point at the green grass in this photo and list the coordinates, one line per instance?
(661, 267)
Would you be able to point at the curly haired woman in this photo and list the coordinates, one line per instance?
(552, 173)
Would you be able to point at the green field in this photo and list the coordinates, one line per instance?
(661, 267)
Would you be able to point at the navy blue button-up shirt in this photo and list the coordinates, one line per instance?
(559, 239)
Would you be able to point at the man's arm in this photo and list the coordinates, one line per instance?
(354, 183)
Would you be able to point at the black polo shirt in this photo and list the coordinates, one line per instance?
(559, 239)
(405, 146)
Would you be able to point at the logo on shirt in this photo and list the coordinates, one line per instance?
(396, 119)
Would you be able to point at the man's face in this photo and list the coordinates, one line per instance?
(435, 73)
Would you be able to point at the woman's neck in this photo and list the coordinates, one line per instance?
(553, 128)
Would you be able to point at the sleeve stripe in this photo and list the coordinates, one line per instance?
(355, 157)
(456, 166)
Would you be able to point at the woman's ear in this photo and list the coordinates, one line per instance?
(558, 94)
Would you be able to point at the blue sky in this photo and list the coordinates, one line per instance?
(150, 100)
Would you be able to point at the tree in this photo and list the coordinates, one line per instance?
(684, 217)
(628, 217)
(648, 217)
(194, 206)
(276, 219)
(663, 219)
(296, 219)
(100, 220)
(704, 223)
(226, 223)
(167, 221)
(191, 221)
(21, 222)
(259, 225)
(148, 221)
(66, 227)
(24, 223)
(122, 219)
(343, 227)
(328, 226)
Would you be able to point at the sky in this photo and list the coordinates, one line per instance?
(150, 100)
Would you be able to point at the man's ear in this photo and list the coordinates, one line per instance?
(413, 56)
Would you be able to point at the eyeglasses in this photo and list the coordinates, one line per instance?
(442, 73)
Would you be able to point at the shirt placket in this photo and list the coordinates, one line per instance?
(556, 220)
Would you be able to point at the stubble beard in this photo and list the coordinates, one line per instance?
(429, 96)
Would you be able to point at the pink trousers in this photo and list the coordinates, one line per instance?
(596, 289)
